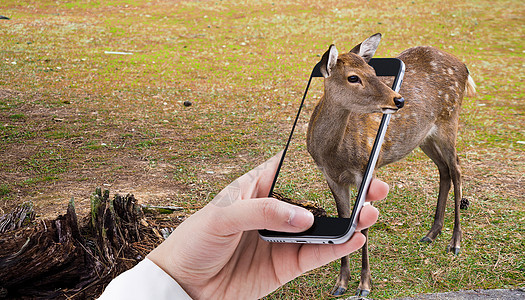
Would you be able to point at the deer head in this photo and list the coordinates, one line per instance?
(351, 82)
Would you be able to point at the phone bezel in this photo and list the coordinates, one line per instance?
(323, 231)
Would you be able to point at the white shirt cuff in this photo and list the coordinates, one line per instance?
(146, 280)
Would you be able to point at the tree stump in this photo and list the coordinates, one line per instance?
(316, 211)
(60, 259)
(22, 216)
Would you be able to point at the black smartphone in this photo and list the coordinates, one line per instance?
(332, 230)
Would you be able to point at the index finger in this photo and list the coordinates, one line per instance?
(257, 182)
(377, 191)
(254, 184)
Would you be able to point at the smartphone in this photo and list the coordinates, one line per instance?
(333, 230)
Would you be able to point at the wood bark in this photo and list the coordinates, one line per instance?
(60, 259)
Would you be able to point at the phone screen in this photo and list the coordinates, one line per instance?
(299, 179)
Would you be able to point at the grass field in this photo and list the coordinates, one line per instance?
(92, 92)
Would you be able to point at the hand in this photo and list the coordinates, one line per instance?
(217, 253)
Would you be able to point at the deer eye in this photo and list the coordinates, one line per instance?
(353, 79)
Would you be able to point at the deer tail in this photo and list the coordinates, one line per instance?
(470, 87)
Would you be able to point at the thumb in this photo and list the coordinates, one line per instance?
(263, 213)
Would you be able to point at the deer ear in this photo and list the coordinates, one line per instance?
(328, 61)
(368, 47)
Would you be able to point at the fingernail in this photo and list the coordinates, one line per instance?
(300, 218)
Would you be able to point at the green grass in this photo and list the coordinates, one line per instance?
(73, 117)
(17, 117)
(4, 190)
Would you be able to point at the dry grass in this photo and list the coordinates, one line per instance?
(74, 117)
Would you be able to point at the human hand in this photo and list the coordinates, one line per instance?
(217, 253)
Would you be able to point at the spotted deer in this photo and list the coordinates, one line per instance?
(344, 123)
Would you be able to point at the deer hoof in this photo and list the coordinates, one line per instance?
(464, 204)
(362, 293)
(338, 291)
(426, 240)
(454, 250)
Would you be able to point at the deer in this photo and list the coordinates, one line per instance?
(344, 123)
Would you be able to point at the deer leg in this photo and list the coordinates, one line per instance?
(344, 276)
(364, 285)
(444, 188)
(342, 199)
(446, 159)
(455, 173)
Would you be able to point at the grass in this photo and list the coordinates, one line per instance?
(4, 190)
(74, 117)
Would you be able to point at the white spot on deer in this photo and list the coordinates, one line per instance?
(450, 71)
(370, 141)
(434, 65)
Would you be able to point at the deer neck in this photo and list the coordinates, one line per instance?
(328, 126)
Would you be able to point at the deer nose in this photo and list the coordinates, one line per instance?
(399, 102)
